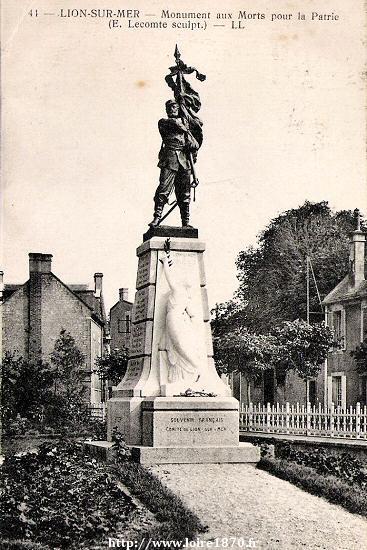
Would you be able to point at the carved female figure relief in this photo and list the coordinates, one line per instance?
(182, 334)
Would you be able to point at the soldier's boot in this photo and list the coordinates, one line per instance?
(185, 215)
(158, 209)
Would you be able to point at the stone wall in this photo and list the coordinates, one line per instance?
(95, 351)
(36, 313)
(15, 323)
(61, 309)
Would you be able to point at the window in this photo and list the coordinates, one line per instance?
(363, 389)
(337, 389)
(124, 325)
(338, 327)
(269, 386)
(312, 392)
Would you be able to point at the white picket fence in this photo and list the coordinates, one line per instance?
(305, 420)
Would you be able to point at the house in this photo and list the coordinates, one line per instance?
(346, 315)
(120, 321)
(339, 382)
(34, 313)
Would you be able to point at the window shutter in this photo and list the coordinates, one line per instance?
(329, 390)
(329, 319)
(344, 392)
(344, 330)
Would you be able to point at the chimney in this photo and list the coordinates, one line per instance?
(124, 294)
(98, 284)
(39, 263)
(356, 254)
(39, 270)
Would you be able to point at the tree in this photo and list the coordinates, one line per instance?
(53, 394)
(294, 345)
(301, 347)
(360, 357)
(112, 366)
(244, 352)
(226, 317)
(67, 361)
(272, 276)
(68, 406)
(26, 389)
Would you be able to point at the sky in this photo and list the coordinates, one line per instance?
(283, 108)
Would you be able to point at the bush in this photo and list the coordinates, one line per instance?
(26, 388)
(18, 426)
(86, 426)
(95, 429)
(343, 466)
(266, 449)
(39, 394)
(21, 545)
(60, 496)
(122, 451)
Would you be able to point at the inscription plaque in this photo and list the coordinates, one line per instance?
(146, 269)
(190, 428)
(134, 371)
(141, 339)
(136, 374)
(144, 304)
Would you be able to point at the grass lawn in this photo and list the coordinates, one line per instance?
(176, 521)
(340, 479)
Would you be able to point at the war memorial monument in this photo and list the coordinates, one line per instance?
(171, 405)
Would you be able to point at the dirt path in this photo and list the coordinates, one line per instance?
(237, 500)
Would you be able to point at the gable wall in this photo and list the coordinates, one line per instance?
(119, 339)
(15, 323)
(60, 309)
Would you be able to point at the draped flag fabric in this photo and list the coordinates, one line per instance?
(186, 96)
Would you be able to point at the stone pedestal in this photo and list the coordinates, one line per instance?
(147, 406)
(190, 422)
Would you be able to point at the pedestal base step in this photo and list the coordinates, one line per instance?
(99, 449)
(244, 453)
(196, 455)
(170, 231)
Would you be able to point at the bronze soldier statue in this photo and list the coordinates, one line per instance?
(174, 161)
(182, 136)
